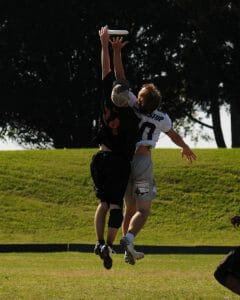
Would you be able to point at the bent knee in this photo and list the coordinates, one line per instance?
(115, 218)
(144, 212)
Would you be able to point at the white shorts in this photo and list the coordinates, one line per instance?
(141, 184)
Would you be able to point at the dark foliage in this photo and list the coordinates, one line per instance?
(50, 61)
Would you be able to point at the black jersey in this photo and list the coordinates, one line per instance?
(119, 125)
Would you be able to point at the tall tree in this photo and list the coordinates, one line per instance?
(210, 44)
(50, 63)
(50, 68)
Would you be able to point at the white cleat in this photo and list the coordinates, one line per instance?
(130, 254)
(138, 255)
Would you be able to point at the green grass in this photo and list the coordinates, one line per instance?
(46, 196)
(81, 276)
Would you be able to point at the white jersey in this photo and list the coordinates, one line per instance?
(151, 125)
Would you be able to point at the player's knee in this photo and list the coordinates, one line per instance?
(144, 212)
(115, 218)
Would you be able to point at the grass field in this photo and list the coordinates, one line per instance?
(46, 196)
(81, 276)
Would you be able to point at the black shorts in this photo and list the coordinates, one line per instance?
(110, 174)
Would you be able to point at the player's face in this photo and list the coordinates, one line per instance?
(141, 95)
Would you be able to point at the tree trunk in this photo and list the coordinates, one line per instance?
(235, 122)
(217, 129)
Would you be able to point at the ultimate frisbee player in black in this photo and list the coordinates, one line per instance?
(110, 167)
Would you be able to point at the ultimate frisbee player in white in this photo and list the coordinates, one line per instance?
(141, 188)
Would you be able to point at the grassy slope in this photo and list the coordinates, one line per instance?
(46, 196)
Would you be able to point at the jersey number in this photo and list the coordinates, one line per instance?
(151, 128)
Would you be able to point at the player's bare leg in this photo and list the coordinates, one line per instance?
(113, 226)
(99, 222)
(112, 231)
(136, 223)
(140, 217)
(129, 211)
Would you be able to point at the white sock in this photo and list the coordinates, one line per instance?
(130, 237)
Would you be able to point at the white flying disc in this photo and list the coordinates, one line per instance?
(117, 32)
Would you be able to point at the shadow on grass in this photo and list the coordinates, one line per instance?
(88, 248)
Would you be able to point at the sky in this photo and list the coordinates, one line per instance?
(165, 142)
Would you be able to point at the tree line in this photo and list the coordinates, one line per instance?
(50, 64)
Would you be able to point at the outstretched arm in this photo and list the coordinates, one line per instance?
(117, 45)
(186, 151)
(105, 58)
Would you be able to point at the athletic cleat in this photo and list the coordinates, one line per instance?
(138, 255)
(105, 255)
(129, 248)
(97, 248)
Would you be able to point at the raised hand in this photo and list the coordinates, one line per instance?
(118, 43)
(104, 36)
